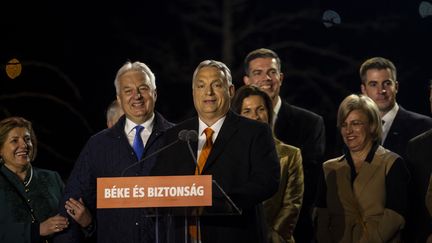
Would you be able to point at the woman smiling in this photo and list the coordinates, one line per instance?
(364, 192)
(29, 196)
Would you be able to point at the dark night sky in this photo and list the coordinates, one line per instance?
(70, 53)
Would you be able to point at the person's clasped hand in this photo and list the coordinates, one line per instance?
(53, 225)
(78, 211)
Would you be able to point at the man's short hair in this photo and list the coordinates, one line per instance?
(377, 63)
(219, 65)
(135, 66)
(261, 53)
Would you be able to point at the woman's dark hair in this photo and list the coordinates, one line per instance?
(249, 90)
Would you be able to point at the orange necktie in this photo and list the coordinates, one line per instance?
(205, 150)
(193, 230)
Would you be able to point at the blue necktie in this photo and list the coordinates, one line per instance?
(138, 144)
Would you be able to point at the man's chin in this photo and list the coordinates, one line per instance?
(268, 91)
(139, 112)
(139, 115)
(384, 108)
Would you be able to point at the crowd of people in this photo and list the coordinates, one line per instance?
(266, 154)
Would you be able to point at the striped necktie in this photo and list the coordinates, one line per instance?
(205, 150)
(194, 233)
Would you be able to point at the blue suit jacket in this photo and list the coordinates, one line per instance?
(243, 161)
(107, 154)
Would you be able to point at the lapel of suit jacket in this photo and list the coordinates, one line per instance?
(395, 128)
(227, 130)
(193, 124)
(118, 132)
(283, 120)
(159, 127)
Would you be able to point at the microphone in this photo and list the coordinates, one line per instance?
(183, 135)
(187, 136)
(192, 135)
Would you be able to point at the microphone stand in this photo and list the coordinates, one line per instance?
(149, 156)
(192, 135)
(193, 156)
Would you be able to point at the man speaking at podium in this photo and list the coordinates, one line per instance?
(117, 151)
(238, 152)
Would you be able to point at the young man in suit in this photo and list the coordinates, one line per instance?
(379, 82)
(242, 158)
(419, 158)
(292, 125)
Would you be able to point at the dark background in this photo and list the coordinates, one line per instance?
(70, 52)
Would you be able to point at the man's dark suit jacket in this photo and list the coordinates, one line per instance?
(305, 130)
(419, 157)
(107, 154)
(406, 125)
(243, 161)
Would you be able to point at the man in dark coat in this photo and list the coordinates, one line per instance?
(379, 82)
(242, 158)
(419, 158)
(110, 153)
(292, 125)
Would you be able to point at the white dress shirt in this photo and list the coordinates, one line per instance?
(388, 119)
(201, 135)
(145, 133)
(276, 110)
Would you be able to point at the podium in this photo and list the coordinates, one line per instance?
(173, 202)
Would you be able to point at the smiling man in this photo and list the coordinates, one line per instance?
(292, 125)
(108, 154)
(242, 156)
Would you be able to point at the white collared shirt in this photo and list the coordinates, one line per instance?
(145, 134)
(388, 119)
(201, 135)
(276, 109)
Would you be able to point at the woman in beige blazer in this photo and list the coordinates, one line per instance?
(281, 210)
(364, 192)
